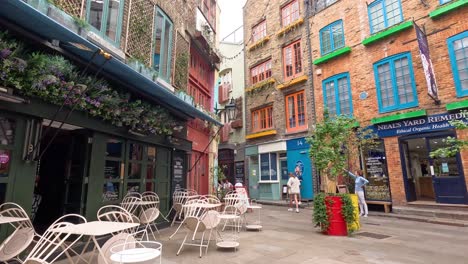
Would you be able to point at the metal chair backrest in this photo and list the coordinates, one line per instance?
(180, 197)
(211, 219)
(71, 218)
(153, 199)
(133, 194)
(14, 210)
(191, 192)
(130, 203)
(231, 199)
(51, 245)
(114, 213)
(192, 210)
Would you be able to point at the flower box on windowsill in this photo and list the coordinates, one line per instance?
(260, 85)
(261, 134)
(449, 7)
(332, 55)
(387, 32)
(259, 43)
(290, 27)
(292, 82)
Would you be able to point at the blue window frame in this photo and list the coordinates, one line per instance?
(162, 46)
(332, 37)
(394, 78)
(337, 95)
(105, 18)
(384, 14)
(458, 52)
(444, 1)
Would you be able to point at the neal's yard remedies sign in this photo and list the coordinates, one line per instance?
(418, 125)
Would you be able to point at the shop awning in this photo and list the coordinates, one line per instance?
(36, 23)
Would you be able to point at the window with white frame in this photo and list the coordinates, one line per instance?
(268, 167)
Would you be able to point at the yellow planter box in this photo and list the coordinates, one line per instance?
(259, 43)
(356, 225)
(260, 85)
(289, 27)
(292, 82)
(261, 134)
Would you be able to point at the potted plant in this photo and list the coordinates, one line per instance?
(335, 145)
(82, 26)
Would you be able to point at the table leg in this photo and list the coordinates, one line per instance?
(99, 249)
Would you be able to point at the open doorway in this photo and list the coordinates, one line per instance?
(60, 174)
(438, 179)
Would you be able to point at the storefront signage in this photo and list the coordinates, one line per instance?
(178, 172)
(297, 143)
(239, 167)
(377, 175)
(419, 125)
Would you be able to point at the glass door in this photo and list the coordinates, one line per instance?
(408, 173)
(447, 177)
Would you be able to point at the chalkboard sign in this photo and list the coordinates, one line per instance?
(377, 175)
(178, 170)
(239, 167)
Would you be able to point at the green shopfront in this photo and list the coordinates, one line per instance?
(55, 161)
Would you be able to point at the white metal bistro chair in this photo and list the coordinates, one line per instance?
(50, 246)
(131, 204)
(72, 219)
(193, 222)
(149, 213)
(235, 221)
(21, 238)
(114, 213)
(178, 200)
(133, 194)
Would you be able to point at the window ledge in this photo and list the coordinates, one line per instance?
(332, 55)
(292, 82)
(100, 41)
(388, 32)
(259, 43)
(261, 134)
(260, 85)
(297, 131)
(457, 105)
(289, 27)
(444, 9)
(396, 117)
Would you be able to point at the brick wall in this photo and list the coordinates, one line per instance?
(359, 64)
(254, 12)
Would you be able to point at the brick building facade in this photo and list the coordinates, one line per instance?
(278, 109)
(367, 63)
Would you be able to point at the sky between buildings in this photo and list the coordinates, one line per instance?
(231, 18)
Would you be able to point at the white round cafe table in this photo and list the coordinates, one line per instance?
(228, 240)
(135, 255)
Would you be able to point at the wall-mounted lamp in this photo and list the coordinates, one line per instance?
(230, 109)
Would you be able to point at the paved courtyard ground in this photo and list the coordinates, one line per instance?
(289, 237)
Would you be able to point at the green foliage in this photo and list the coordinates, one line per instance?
(181, 70)
(335, 143)
(141, 30)
(453, 145)
(81, 23)
(322, 210)
(56, 80)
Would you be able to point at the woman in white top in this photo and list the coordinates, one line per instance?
(294, 190)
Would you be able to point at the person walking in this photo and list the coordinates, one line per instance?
(359, 182)
(294, 190)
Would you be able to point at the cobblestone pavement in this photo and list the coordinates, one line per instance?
(290, 237)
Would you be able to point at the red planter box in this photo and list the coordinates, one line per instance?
(337, 222)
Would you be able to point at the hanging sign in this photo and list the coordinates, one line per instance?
(427, 63)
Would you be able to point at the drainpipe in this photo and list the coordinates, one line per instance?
(308, 13)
